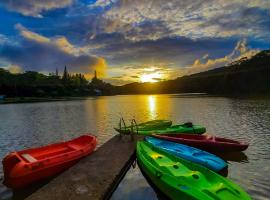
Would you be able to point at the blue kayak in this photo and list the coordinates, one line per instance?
(189, 153)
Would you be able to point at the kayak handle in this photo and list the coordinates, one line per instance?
(120, 123)
(133, 121)
(120, 126)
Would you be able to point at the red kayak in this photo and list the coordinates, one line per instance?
(205, 142)
(22, 168)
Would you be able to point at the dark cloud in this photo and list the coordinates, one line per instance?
(179, 50)
(134, 76)
(158, 79)
(117, 77)
(39, 53)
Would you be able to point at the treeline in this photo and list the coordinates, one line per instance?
(34, 84)
(245, 77)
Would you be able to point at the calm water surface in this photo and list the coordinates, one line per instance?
(35, 124)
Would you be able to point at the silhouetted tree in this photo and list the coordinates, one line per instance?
(56, 72)
(65, 76)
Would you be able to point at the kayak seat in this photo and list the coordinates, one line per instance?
(29, 158)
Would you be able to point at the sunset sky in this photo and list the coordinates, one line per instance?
(130, 40)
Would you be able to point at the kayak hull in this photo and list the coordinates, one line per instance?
(23, 181)
(23, 168)
(192, 154)
(205, 142)
(181, 179)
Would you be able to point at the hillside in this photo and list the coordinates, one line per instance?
(244, 77)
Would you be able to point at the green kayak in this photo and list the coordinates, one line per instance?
(180, 128)
(161, 127)
(146, 126)
(181, 179)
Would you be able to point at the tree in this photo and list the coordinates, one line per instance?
(56, 72)
(65, 76)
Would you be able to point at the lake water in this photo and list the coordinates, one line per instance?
(35, 124)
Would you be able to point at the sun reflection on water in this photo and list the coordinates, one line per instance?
(152, 106)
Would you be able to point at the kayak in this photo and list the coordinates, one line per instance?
(22, 168)
(192, 154)
(181, 179)
(180, 128)
(206, 142)
(146, 126)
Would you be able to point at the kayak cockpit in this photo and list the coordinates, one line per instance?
(33, 156)
(27, 157)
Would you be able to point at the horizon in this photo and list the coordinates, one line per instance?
(130, 41)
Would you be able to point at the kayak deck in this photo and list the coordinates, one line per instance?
(145, 126)
(189, 153)
(181, 179)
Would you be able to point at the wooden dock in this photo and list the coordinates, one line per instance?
(94, 177)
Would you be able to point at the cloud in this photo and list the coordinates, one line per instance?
(34, 8)
(133, 73)
(240, 51)
(134, 76)
(14, 69)
(117, 81)
(133, 35)
(40, 53)
(158, 79)
(154, 19)
(60, 42)
(209, 59)
(3, 39)
(178, 51)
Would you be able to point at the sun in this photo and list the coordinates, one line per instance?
(152, 78)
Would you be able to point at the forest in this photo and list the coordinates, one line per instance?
(35, 84)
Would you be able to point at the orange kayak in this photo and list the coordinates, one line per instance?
(22, 168)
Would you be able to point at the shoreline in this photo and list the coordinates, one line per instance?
(15, 100)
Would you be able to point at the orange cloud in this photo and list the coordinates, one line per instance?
(100, 67)
(55, 52)
(14, 69)
(241, 50)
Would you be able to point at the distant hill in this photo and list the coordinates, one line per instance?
(244, 77)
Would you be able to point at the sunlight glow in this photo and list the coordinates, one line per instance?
(152, 106)
(153, 77)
